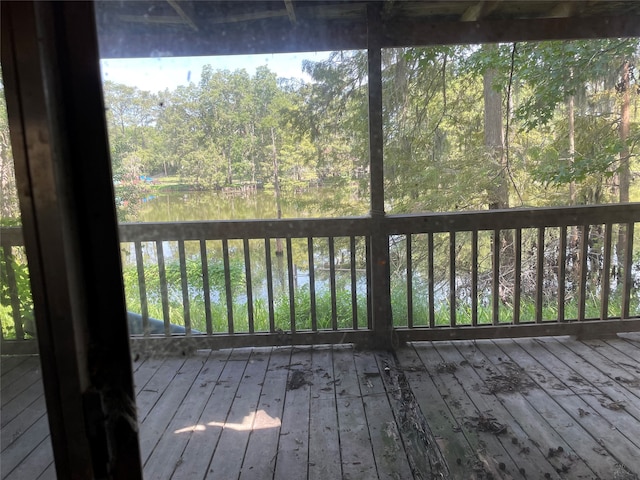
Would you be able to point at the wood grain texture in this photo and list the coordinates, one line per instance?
(557, 406)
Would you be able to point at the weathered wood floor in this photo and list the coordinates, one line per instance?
(531, 408)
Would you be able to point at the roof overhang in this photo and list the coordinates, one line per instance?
(191, 28)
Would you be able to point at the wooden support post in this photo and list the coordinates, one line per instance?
(58, 130)
(380, 271)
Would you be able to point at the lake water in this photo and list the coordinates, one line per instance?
(214, 205)
(207, 205)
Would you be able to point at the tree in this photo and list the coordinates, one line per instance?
(498, 195)
(8, 193)
(582, 72)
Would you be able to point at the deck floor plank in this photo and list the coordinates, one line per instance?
(152, 390)
(292, 460)
(39, 460)
(11, 362)
(324, 439)
(561, 410)
(628, 343)
(355, 443)
(585, 396)
(15, 454)
(336, 412)
(196, 458)
(17, 404)
(621, 369)
(487, 451)
(21, 415)
(490, 406)
(158, 419)
(613, 399)
(260, 457)
(227, 459)
(388, 450)
(49, 473)
(172, 444)
(448, 433)
(144, 371)
(19, 379)
(538, 431)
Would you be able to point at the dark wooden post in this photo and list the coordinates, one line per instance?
(52, 82)
(380, 271)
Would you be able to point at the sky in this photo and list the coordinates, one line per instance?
(157, 74)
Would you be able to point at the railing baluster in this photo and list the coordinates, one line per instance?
(584, 250)
(367, 247)
(606, 271)
(562, 272)
(432, 308)
(409, 283)
(517, 277)
(495, 297)
(474, 278)
(354, 281)
(13, 290)
(292, 298)
(205, 286)
(269, 265)
(332, 282)
(184, 283)
(452, 279)
(539, 273)
(247, 274)
(142, 288)
(312, 285)
(627, 281)
(227, 283)
(164, 294)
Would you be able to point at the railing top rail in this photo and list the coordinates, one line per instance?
(512, 218)
(238, 229)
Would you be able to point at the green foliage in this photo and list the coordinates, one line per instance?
(20, 269)
(302, 300)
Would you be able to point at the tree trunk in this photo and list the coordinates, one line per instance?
(276, 185)
(624, 177)
(229, 170)
(498, 190)
(624, 174)
(572, 145)
(8, 194)
(574, 236)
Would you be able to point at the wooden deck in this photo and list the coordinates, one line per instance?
(530, 408)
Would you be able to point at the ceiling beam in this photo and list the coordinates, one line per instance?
(473, 13)
(562, 10)
(249, 16)
(183, 15)
(290, 11)
(479, 10)
(419, 33)
(315, 36)
(158, 19)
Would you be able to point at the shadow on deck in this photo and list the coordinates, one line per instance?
(530, 408)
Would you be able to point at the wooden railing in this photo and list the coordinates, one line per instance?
(547, 274)
(443, 276)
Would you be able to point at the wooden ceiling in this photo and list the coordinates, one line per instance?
(179, 27)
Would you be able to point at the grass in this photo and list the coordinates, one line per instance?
(324, 307)
(170, 183)
(325, 314)
(281, 312)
